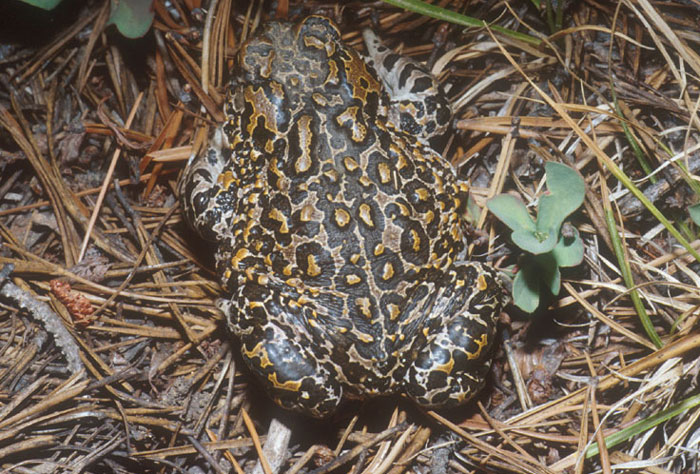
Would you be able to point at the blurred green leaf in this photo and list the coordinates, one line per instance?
(694, 212)
(44, 4)
(473, 211)
(133, 18)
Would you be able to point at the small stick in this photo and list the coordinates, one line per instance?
(108, 179)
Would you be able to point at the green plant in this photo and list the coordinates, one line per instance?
(132, 18)
(433, 11)
(548, 247)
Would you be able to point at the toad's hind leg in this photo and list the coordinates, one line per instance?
(279, 350)
(418, 104)
(452, 363)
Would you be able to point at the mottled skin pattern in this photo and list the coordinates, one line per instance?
(338, 229)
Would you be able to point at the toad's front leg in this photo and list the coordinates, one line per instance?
(204, 196)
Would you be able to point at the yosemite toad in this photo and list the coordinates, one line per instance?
(339, 231)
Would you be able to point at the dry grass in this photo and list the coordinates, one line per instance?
(93, 133)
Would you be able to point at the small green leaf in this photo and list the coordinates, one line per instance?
(43, 4)
(694, 212)
(534, 242)
(565, 181)
(512, 212)
(133, 18)
(569, 251)
(526, 289)
(566, 193)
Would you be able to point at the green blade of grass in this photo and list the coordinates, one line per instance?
(638, 153)
(439, 13)
(645, 425)
(627, 273)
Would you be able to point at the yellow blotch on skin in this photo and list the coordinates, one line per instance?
(333, 177)
(349, 116)
(240, 255)
(306, 213)
(291, 385)
(350, 163)
(446, 367)
(394, 311)
(422, 193)
(332, 77)
(303, 163)
(388, 271)
(366, 215)
(481, 342)
(364, 305)
(313, 269)
(384, 173)
(320, 99)
(259, 351)
(481, 283)
(353, 279)
(416, 240)
(357, 76)
(226, 179)
(464, 396)
(342, 217)
(313, 42)
(275, 214)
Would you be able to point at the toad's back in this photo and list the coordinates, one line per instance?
(340, 235)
